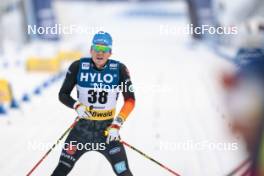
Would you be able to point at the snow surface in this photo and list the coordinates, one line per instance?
(188, 109)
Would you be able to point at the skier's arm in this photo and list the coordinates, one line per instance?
(68, 85)
(129, 98)
(128, 93)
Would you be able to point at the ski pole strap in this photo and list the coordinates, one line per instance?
(247, 172)
(148, 157)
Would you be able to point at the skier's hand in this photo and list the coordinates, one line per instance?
(113, 134)
(82, 110)
(113, 130)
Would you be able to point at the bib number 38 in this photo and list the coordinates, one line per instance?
(95, 97)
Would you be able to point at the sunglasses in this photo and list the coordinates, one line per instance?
(101, 48)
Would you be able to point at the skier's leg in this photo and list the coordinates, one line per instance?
(69, 155)
(116, 155)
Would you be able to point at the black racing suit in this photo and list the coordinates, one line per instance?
(91, 132)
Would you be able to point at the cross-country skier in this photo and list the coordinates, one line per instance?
(98, 81)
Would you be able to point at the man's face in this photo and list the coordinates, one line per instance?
(100, 54)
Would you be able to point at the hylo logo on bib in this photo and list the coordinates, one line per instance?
(96, 77)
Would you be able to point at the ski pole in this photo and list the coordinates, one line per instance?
(239, 167)
(54, 145)
(247, 172)
(148, 157)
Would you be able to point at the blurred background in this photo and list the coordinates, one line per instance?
(180, 117)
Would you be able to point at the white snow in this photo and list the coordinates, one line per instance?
(188, 110)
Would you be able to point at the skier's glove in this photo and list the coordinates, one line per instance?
(82, 110)
(113, 130)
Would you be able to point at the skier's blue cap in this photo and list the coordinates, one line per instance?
(102, 38)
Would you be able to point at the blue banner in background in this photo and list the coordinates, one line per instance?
(42, 20)
(201, 13)
(205, 12)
